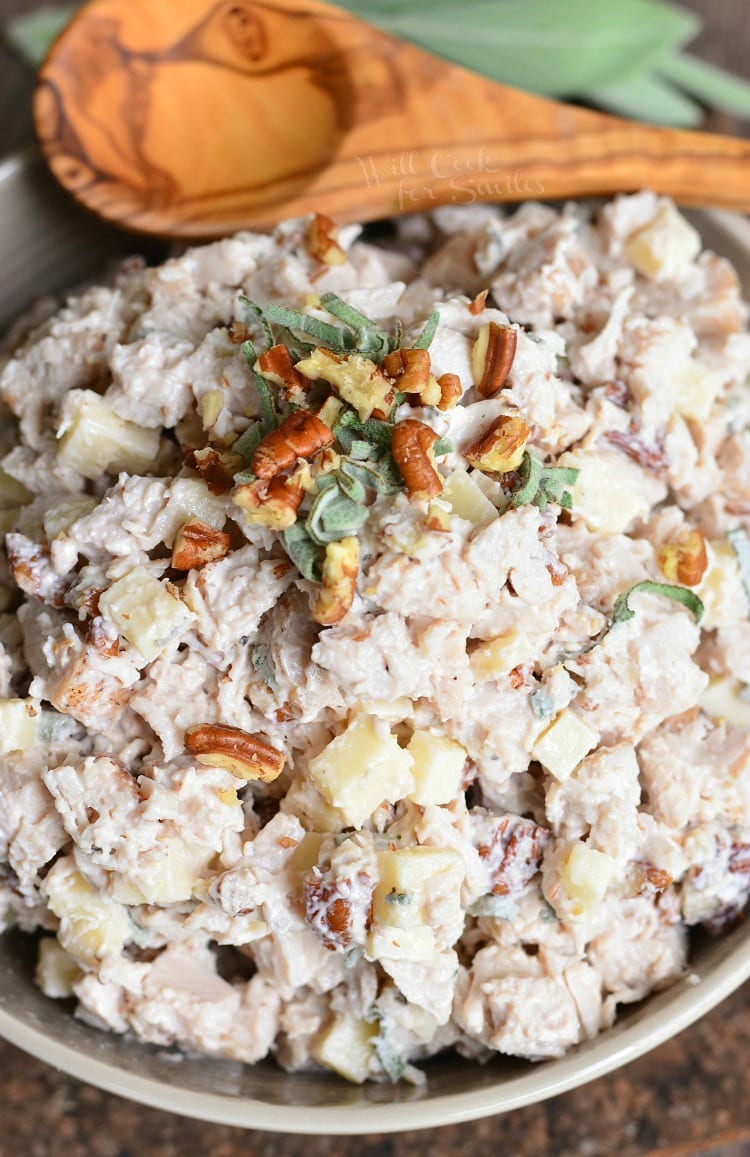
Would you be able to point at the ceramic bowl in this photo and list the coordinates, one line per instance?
(47, 245)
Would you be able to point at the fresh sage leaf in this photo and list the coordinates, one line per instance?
(269, 419)
(622, 612)
(258, 314)
(260, 657)
(306, 554)
(334, 516)
(424, 341)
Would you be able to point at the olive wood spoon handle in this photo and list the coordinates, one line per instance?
(195, 118)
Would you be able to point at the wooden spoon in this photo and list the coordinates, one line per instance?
(195, 118)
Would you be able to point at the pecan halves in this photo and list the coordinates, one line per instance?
(322, 243)
(277, 366)
(244, 755)
(196, 544)
(411, 447)
(410, 370)
(300, 435)
(492, 357)
(273, 503)
(684, 561)
(339, 582)
(501, 448)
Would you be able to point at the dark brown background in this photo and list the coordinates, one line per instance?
(688, 1097)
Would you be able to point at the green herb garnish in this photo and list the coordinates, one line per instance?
(740, 543)
(443, 446)
(394, 897)
(306, 554)
(371, 341)
(334, 514)
(540, 484)
(269, 419)
(332, 337)
(622, 612)
(259, 316)
(248, 442)
(263, 665)
(541, 703)
(424, 341)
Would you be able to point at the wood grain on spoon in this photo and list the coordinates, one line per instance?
(195, 118)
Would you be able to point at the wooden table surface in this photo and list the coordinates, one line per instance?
(688, 1097)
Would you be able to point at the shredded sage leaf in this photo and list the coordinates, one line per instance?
(443, 446)
(540, 484)
(306, 554)
(394, 897)
(499, 907)
(263, 665)
(622, 612)
(259, 316)
(334, 515)
(333, 337)
(269, 419)
(249, 441)
(393, 1066)
(541, 703)
(349, 429)
(740, 543)
(371, 341)
(424, 341)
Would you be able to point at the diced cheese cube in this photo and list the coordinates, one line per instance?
(12, 493)
(361, 768)
(193, 498)
(400, 897)
(664, 248)
(392, 710)
(165, 876)
(722, 700)
(56, 970)
(59, 518)
(92, 925)
(96, 440)
(500, 655)
(346, 1046)
(721, 591)
(19, 724)
(467, 501)
(386, 942)
(564, 744)
(609, 493)
(437, 769)
(145, 612)
(697, 390)
(585, 876)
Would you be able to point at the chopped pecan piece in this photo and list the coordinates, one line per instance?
(651, 457)
(479, 304)
(411, 447)
(277, 366)
(339, 582)
(32, 571)
(513, 853)
(101, 641)
(300, 435)
(411, 372)
(338, 909)
(238, 333)
(492, 357)
(244, 755)
(684, 561)
(196, 544)
(502, 447)
(451, 391)
(217, 468)
(273, 504)
(322, 243)
(356, 379)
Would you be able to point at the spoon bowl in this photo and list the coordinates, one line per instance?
(196, 118)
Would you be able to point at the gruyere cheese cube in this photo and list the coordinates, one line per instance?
(361, 768)
(585, 876)
(346, 1046)
(564, 744)
(145, 612)
(61, 517)
(96, 440)
(56, 970)
(19, 724)
(385, 942)
(697, 389)
(400, 897)
(721, 591)
(500, 655)
(437, 769)
(663, 248)
(92, 925)
(392, 710)
(609, 493)
(467, 501)
(722, 700)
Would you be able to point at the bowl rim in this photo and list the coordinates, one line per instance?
(679, 1006)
